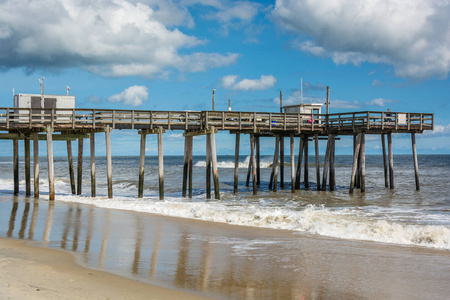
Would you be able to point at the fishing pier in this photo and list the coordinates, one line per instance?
(30, 124)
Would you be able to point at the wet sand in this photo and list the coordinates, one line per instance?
(220, 260)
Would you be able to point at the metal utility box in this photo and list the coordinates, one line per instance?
(311, 109)
(37, 102)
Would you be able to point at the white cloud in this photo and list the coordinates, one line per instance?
(265, 82)
(412, 36)
(380, 102)
(439, 130)
(135, 96)
(107, 37)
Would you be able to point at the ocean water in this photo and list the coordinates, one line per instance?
(401, 216)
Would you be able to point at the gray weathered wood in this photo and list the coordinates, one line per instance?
(385, 165)
(80, 166)
(71, 170)
(363, 162)
(185, 168)
(51, 184)
(190, 154)
(253, 160)
(316, 148)
(292, 148)
(249, 168)
(275, 165)
(142, 166)
(36, 163)
(281, 161)
(391, 161)
(332, 162)
(92, 148)
(299, 164)
(160, 163)
(258, 162)
(236, 163)
(27, 167)
(306, 164)
(208, 166)
(355, 163)
(16, 166)
(326, 164)
(416, 164)
(214, 164)
(108, 161)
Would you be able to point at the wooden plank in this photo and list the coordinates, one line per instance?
(36, 163)
(160, 163)
(27, 167)
(416, 164)
(108, 161)
(51, 185)
(236, 163)
(80, 166)
(142, 166)
(16, 166)
(92, 148)
(71, 170)
(391, 161)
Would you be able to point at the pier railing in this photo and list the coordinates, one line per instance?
(71, 119)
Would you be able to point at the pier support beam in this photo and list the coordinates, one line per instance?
(273, 182)
(362, 158)
(208, 166)
(281, 161)
(141, 165)
(214, 164)
(416, 164)
(326, 164)
(16, 166)
(51, 185)
(316, 148)
(306, 164)
(36, 163)
(332, 163)
(27, 167)
(190, 154)
(258, 161)
(71, 171)
(161, 163)
(299, 164)
(80, 166)
(236, 164)
(249, 168)
(292, 148)
(253, 161)
(92, 148)
(383, 145)
(391, 161)
(355, 162)
(108, 161)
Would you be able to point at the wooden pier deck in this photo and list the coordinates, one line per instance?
(72, 124)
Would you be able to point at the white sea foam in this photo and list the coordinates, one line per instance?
(266, 163)
(312, 219)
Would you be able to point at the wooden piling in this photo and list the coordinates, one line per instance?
(316, 148)
(214, 164)
(385, 165)
(142, 166)
(108, 161)
(36, 163)
(51, 185)
(258, 161)
(281, 161)
(185, 167)
(391, 161)
(92, 148)
(292, 164)
(71, 171)
(363, 162)
(236, 164)
(326, 164)
(80, 166)
(27, 167)
(306, 164)
(161, 163)
(190, 154)
(253, 160)
(416, 164)
(332, 160)
(208, 166)
(249, 168)
(357, 145)
(16, 165)
(273, 184)
(299, 164)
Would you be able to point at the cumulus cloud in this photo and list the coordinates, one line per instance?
(107, 37)
(264, 83)
(380, 102)
(412, 36)
(134, 96)
(439, 130)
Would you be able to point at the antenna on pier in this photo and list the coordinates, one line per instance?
(67, 90)
(13, 91)
(41, 81)
(301, 90)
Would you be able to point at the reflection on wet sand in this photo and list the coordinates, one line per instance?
(226, 261)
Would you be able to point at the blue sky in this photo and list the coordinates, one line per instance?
(170, 55)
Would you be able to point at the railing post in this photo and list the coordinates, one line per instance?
(223, 120)
(93, 118)
(285, 121)
(52, 117)
(409, 121)
(254, 122)
(7, 118)
(186, 120)
(421, 118)
(30, 117)
(270, 121)
(240, 120)
(114, 119)
(368, 120)
(168, 119)
(382, 120)
(132, 119)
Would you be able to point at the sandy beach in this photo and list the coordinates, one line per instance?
(145, 252)
(29, 272)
